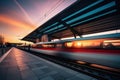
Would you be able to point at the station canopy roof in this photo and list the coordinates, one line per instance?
(82, 17)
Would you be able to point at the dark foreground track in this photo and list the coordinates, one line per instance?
(99, 74)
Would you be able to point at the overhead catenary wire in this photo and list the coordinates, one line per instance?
(53, 8)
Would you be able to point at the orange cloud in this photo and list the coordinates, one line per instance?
(16, 23)
(17, 27)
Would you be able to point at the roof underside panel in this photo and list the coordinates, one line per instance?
(83, 17)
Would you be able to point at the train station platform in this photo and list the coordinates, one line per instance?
(20, 65)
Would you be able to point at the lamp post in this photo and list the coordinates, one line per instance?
(2, 44)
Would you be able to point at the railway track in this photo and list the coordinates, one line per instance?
(82, 67)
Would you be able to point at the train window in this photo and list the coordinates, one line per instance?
(111, 44)
(77, 44)
(69, 44)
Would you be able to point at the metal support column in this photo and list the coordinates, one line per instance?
(71, 29)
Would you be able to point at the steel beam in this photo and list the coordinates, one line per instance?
(71, 29)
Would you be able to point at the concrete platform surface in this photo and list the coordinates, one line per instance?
(21, 65)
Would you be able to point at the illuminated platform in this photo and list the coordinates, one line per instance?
(20, 65)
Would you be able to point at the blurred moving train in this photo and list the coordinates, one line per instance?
(103, 49)
(110, 41)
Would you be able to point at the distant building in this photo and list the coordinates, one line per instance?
(12, 44)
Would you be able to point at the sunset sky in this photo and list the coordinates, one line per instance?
(20, 17)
